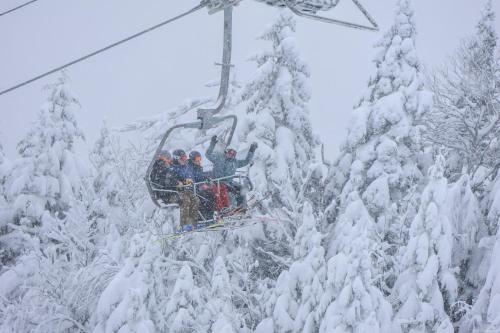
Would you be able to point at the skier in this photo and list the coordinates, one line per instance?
(162, 176)
(189, 202)
(196, 168)
(203, 191)
(225, 166)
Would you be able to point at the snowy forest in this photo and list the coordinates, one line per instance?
(399, 233)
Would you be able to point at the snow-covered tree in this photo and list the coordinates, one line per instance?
(48, 231)
(184, 311)
(427, 287)
(224, 316)
(493, 207)
(292, 307)
(48, 176)
(352, 302)
(485, 314)
(5, 210)
(468, 228)
(5, 166)
(107, 182)
(466, 118)
(380, 157)
(123, 304)
(278, 116)
(482, 316)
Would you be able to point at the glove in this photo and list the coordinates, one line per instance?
(213, 140)
(253, 146)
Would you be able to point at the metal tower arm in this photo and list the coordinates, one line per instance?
(374, 27)
(206, 115)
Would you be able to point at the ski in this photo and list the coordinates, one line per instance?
(231, 224)
(230, 220)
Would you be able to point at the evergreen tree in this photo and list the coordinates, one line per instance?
(468, 228)
(381, 157)
(5, 253)
(485, 314)
(184, 310)
(48, 175)
(352, 302)
(278, 116)
(493, 207)
(49, 232)
(125, 302)
(224, 317)
(104, 159)
(5, 166)
(466, 118)
(427, 286)
(298, 290)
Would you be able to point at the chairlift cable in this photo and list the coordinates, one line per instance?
(143, 32)
(17, 8)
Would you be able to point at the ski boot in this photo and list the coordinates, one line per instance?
(187, 228)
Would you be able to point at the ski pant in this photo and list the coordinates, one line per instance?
(238, 192)
(207, 203)
(221, 196)
(168, 198)
(189, 208)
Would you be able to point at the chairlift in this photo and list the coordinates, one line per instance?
(207, 118)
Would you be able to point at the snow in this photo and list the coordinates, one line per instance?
(391, 237)
(427, 278)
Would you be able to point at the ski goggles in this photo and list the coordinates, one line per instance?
(197, 158)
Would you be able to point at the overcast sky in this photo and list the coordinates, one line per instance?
(162, 69)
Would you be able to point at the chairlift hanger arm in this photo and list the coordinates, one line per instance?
(205, 115)
(374, 24)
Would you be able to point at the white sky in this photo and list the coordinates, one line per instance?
(162, 69)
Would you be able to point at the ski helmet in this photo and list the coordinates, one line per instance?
(165, 153)
(165, 156)
(194, 156)
(230, 153)
(180, 154)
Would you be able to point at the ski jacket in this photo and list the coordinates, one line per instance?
(181, 172)
(225, 167)
(162, 175)
(197, 172)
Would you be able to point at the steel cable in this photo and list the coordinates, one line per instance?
(17, 8)
(71, 63)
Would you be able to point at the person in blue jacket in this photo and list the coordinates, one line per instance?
(189, 202)
(196, 170)
(226, 164)
(203, 190)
